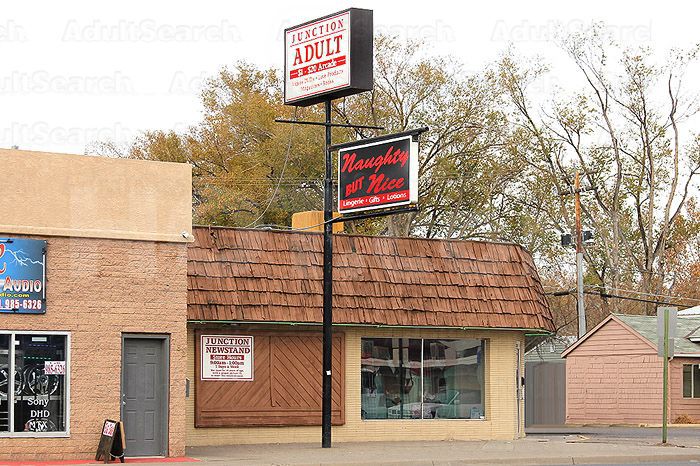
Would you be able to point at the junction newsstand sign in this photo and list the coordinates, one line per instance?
(328, 57)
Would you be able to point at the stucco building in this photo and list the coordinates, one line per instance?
(105, 337)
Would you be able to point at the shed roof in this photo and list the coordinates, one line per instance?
(685, 326)
(550, 348)
(270, 276)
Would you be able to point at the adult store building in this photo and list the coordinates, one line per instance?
(428, 337)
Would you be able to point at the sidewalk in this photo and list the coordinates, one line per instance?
(528, 451)
(535, 450)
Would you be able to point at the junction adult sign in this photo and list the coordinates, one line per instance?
(329, 57)
(378, 173)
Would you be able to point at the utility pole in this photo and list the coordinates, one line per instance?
(580, 237)
(579, 258)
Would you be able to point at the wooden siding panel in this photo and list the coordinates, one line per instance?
(612, 339)
(286, 389)
(606, 389)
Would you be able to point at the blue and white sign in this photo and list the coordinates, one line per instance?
(22, 276)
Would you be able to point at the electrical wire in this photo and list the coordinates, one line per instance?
(284, 167)
(653, 295)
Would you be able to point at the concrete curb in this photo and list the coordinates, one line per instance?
(533, 461)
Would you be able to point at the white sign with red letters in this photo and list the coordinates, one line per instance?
(227, 357)
(317, 57)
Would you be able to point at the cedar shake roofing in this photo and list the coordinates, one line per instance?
(269, 276)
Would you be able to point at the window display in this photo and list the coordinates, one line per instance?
(34, 400)
(422, 378)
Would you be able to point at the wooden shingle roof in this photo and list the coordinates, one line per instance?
(270, 276)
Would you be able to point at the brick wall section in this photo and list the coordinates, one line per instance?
(500, 422)
(97, 289)
(614, 376)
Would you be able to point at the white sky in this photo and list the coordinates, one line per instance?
(75, 72)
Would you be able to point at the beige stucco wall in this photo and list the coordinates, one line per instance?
(500, 398)
(98, 289)
(75, 195)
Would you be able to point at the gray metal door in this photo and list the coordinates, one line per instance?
(144, 395)
(545, 392)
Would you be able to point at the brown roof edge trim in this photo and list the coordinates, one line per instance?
(336, 324)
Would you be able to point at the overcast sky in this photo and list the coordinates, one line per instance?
(75, 72)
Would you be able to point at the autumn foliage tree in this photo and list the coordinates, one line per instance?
(495, 163)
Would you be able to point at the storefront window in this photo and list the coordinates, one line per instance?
(453, 379)
(37, 392)
(422, 378)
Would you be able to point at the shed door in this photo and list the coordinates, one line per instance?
(144, 396)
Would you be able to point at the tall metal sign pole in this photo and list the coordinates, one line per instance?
(328, 58)
(327, 388)
(664, 429)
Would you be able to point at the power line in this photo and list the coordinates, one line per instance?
(655, 295)
(642, 300)
(284, 166)
(628, 298)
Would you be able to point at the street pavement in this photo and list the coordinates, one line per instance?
(682, 435)
(542, 446)
(551, 446)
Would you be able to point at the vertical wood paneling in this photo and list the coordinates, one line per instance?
(286, 388)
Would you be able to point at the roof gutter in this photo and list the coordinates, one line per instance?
(318, 324)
